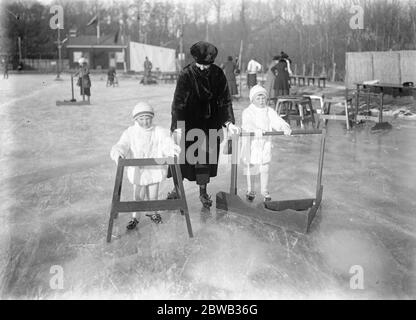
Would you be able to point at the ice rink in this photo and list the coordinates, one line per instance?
(56, 186)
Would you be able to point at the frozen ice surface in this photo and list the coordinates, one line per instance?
(57, 181)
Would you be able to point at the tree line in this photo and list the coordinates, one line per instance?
(314, 32)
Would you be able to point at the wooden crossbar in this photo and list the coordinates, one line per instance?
(118, 206)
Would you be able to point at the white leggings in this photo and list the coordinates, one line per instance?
(253, 171)
(149, 192)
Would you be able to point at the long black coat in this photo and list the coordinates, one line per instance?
(202, 100)
(229, 70)
(282, 80)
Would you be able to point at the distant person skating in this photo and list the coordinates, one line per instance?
(111, 77)
(144, 140)
(147, 65)
(256, 152)
(5, 69)
(84, 81)
(230, 68)
(252, 68)
(270, 78)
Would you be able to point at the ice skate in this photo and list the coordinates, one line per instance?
(155, 217)
(205, 200)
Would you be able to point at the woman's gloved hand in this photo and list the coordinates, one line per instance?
(115, 155)
(176, 150)
(287, 130)
(177, 136)
(232, 128)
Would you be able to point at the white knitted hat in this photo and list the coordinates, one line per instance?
(82, 60)
(142, 108)
(256, 90)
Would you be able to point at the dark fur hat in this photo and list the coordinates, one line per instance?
(204, 52)
(284, 55)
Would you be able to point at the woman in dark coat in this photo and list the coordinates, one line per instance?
(201, 101)
(229, 69)
(282, 80)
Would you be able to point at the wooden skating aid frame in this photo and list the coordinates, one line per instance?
(296, 215)
(118, 206)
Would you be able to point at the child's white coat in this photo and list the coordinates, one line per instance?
(136, 143)
(257, 150)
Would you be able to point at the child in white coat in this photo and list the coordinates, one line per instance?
(256, 151)
(143, 140)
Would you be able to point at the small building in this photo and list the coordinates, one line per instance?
(109, 51)
(102, 53)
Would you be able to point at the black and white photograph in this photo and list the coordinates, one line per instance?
(207, 150)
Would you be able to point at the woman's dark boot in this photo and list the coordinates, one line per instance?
(204, 197)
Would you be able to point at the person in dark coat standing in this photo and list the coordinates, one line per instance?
(147, 66)
(229, 69)
(201, 101)
(84, 81)
(282, 80)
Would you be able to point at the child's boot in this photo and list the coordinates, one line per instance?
(267, 196)
(172, 195)
(250, 195)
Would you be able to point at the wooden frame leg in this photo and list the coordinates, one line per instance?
(184, 210)
(312, 114)
(347, 118)
(302, 117)
(116, 198)
(113, 215)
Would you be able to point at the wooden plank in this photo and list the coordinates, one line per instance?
(147, 162)
(288, 219)
(366, 118)
(280, 205)
(153, 205)
(280, 133)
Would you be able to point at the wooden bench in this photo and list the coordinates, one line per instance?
(319, 79)
(297, 78)
(309, 79)
(169, 77)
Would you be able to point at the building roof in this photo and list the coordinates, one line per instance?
(105, 41)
